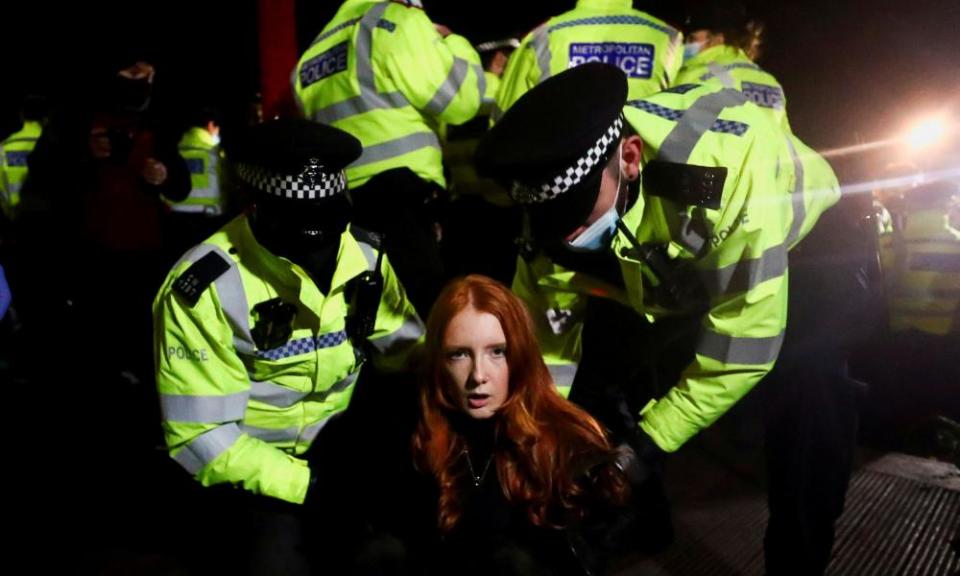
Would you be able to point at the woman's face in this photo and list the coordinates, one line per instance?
(475, 362)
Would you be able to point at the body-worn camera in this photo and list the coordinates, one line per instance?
(274, 323)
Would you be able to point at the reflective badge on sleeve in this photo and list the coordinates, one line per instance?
(636, 60)
(17, 158)
(195, 165)
(327, 64)
(763, 95)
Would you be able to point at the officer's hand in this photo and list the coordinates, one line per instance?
(154, 172)
(443, 30)
(639, 458)
(99, 142)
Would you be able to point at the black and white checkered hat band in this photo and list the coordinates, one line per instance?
(308, 185)
(573, 175)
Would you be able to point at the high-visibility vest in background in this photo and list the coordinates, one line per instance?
(922, 275)
(14, 152)
(201, 152)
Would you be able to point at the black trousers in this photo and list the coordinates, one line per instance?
(402, 206)
(811, 432)
(811, 402)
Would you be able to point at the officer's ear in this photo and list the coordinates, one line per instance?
(631, 150)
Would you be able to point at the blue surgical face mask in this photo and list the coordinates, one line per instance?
(691, 49)
(597, 236)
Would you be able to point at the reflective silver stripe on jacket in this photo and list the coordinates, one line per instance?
(747, 274)
(275, 395)
(541, 47)
(360, 104)
(739, 350)
(690, 237)
(482, 85)
(370, 253)
(272, 435)
(204, 409)
(368, 23)
(233, 300)
(292, 434)
(796, 195)
(283, 397)
(562, 374)
(397, 147)
(410, 331)
(722, 75)
(206, 447)
(450, 87)
(369, 98)
(695, 122)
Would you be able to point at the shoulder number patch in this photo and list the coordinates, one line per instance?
(191, 284)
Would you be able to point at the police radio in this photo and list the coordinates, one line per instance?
(367, 290)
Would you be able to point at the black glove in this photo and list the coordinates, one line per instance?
(642, 462)
(639, 458)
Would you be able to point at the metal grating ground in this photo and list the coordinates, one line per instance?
(902, 515)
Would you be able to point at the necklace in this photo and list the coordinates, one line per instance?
(477, 480)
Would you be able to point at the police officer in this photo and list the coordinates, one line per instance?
(15, 149)
(382, 71)
(722, 44)
(696, 246)
(922, 282)
(809, 399)
(260, 333)
(195, 217)
(723, 40)
(647, 49)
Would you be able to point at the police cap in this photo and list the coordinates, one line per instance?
(553, 144)
(295, 159)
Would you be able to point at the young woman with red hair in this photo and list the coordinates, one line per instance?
(527, 481)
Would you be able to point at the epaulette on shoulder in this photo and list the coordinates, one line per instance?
(374, 239)
(201, 274)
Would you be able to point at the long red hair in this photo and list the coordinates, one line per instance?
(548, 452)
